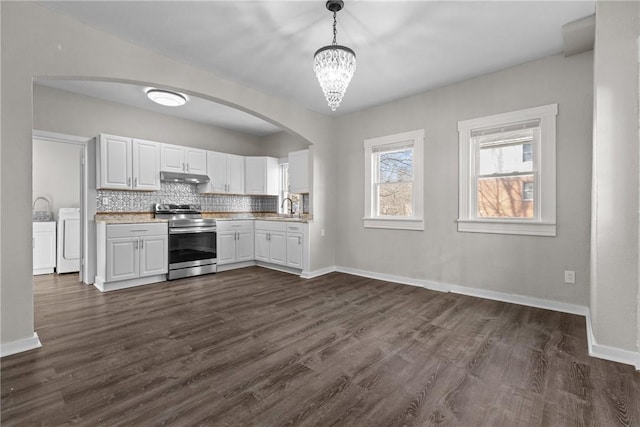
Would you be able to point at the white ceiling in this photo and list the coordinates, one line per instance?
(402, 47)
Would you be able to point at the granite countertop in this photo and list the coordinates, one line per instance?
(145, 217)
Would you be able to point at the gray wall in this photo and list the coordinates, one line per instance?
(522, 265)
(65, 112)
(38, 42)
(56, 174)
(615, 295)
(281, 143)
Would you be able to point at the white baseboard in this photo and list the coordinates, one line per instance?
(317, 273)
(21, 345)
(595, 350)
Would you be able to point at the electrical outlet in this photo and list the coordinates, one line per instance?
(322, 233)
(569, 276)
(105, 200)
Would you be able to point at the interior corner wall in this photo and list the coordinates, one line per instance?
(529, 266)
(615, 225)
(37, 42)
(281, 143)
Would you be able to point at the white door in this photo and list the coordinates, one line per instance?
(154, 255)
(217, 171)
(115, 162)
(294, 250)
(235, 174)
(277, 248)
(226, 247)
(261, 246)
(244, 246)
(44, 252)
(146, 165)
(172, 158)
(255, 175)
(122, 258)
(196, 161)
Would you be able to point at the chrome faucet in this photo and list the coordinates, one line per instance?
(290, 205)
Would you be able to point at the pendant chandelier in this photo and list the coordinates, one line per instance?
(334, 65)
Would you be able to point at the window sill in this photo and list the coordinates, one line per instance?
(499, 226)
(416, 224)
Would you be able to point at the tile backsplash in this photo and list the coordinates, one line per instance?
(181, 193)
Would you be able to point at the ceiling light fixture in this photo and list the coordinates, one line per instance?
(334, 65)
(166, 98)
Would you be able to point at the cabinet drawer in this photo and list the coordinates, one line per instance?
(246, 225)
(271, 225)
(142, 229)
(41, 227)
(295, 227)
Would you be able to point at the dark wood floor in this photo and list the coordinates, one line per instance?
(259, 347)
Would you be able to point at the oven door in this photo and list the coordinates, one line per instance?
(192, 246)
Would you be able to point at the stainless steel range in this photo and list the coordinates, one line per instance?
(192, 240)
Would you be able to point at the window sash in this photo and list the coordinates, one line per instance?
(378, 183)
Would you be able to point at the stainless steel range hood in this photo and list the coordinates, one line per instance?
(189, 178)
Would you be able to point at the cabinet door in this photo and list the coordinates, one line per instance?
(154, 255)
(172, 158)
(244, 246)
(44, 252)
(294, 250)
(277, 248)
(255, 173)
(235, 174)
(261, 246)
(195, 161)
(115, 163)
(299, 172)
(146, 165)
(217, 171)
(226, 247)
(122, 258)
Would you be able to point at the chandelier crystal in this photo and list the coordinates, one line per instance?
(334, 65)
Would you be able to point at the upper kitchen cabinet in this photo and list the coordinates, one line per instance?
(127, 164)
(226, 174)
(299, 172)
(261, 175)
(176, 158)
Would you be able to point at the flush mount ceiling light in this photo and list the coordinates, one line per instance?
(334, 65)
(166, 98)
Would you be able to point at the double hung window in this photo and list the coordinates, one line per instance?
(507, 173)
(393, 181)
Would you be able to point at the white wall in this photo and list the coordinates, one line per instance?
(56, 174)
(522, 265)
(615, 234)
(38, 42)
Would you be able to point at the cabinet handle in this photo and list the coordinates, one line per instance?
(135, 182)
(268, 236)
(187, 167)
(237, 236)
(299, 240)
(135, 245)
(142, 244)
(183, 168)
(129, 182)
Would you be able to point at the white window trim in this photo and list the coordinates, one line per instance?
(415, 222)
(545, 222)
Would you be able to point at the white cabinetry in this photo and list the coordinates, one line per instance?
(261, 176)
(295, 245)
(235, 241)
(131, 255)
(299, 172)
(176, 158)
(44, 247)
(226, 174)
(127, 164)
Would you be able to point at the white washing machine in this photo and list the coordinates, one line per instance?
(68, 240)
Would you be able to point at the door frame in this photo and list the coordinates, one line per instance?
(88, 198)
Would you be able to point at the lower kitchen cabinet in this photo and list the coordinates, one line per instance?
(131, 254)
(235, 242)
(270, 242)
(44, 247)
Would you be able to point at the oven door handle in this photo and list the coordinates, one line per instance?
(191, 230)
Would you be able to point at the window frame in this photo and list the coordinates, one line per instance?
(371, 147)
(544, 151)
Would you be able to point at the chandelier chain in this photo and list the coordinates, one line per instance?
(335, 31)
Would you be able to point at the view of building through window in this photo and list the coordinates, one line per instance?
(394, 170)
(506, 179)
